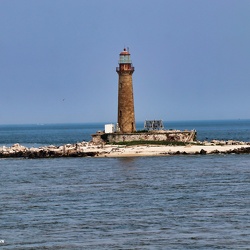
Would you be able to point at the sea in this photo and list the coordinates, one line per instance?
(166, 202)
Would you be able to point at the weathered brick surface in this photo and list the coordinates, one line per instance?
(174, 136)
(181, 136)
(126, 115)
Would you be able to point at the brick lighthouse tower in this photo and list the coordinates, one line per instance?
(126, 113)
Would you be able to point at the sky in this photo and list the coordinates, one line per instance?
(58, 59)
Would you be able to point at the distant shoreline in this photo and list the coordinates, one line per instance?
(88, 149)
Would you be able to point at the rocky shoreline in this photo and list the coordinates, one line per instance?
(68, 150)
(88, 149)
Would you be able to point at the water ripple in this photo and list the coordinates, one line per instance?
(184, 202)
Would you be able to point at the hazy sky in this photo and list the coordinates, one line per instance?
(58, 59)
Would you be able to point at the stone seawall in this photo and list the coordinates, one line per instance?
(164, 135)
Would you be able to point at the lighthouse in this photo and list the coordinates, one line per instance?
(126, 113)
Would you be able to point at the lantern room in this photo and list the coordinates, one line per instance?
(124, 57)
(125, 63)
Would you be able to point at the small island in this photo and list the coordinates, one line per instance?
(128, 149)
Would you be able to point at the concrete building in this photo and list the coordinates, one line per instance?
(126, 113)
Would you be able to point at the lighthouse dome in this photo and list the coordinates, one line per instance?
(124, 52)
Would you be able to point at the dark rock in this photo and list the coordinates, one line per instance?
(215, 152)
(203, 152)
(242, 150)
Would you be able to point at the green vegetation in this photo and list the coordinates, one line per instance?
(166, 143)
(142, 131)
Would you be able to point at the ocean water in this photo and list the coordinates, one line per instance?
(36, 135)
(170, 202)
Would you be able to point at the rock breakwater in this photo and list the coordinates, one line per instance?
(88, 149)
(68, 150)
